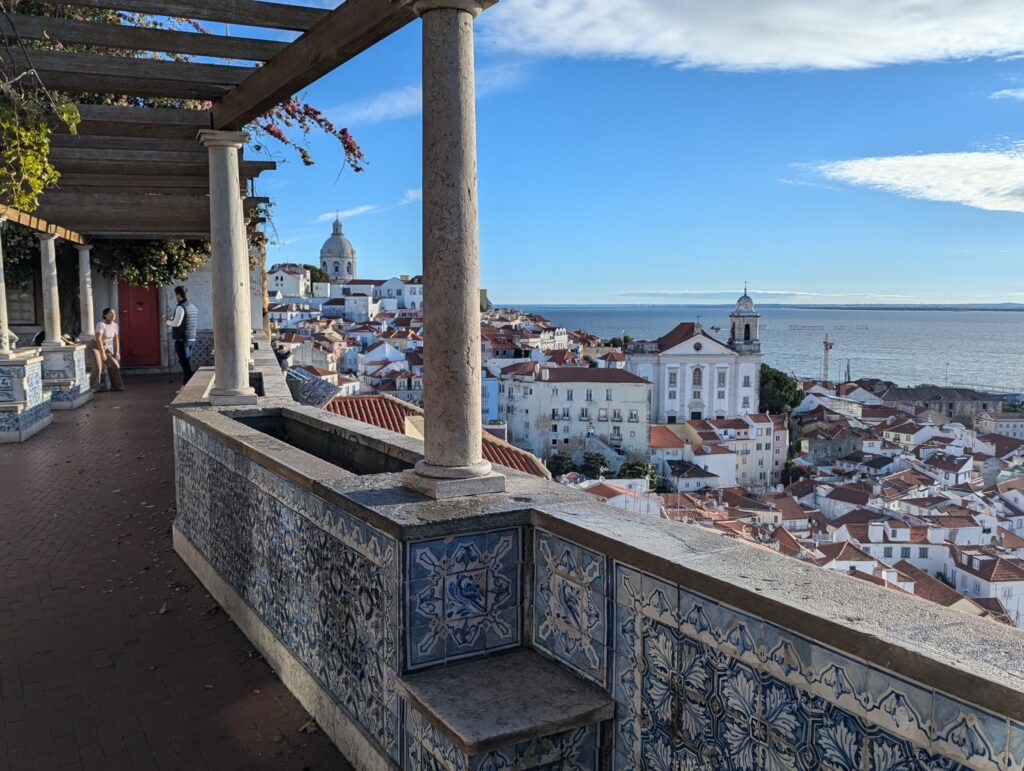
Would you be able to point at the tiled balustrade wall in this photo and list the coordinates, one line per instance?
(697, 683)
(326, 583)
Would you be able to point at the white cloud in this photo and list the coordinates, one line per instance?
(355, 211)
(760, 34)
(988, 179)
(407, 101)
(411, 196)
(1008, 93)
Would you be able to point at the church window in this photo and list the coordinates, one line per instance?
(348, 269)
(698, 346)
(698, 377)
(721, 378)
(671, 379)
(337, 266)
(746, 381)
(746, 333)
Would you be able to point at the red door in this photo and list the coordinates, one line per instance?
(140, 325)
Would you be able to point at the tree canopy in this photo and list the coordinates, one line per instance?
(638, 469)
(594, 465)
(317, 275)
(779, 392)
(561, 463)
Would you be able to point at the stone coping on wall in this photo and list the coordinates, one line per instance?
(976, 659)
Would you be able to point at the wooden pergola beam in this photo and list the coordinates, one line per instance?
(341, 35)
(109, 204)
(250, 13)
(194, 167)
(39, 224)
(72, 31)
(96, 73)
(84, 141)
(143, 122)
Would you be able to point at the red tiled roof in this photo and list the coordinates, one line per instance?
(929, 587)
(844, 551)
(390, 414)
(663, 438)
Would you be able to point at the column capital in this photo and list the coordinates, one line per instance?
(474, 7)
(83, 248)
(46, 236)
(214, 138)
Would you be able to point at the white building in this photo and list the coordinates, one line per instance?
(1005, 423)
(290, 280)
(576, 409)
(694, 376)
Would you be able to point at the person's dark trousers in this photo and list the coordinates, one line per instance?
(184, 350)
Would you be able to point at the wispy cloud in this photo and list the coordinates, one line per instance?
(355, 211)
(411, 196)
(798, 293)
(1008, 93)
(986, 179)
(407, 101)
(759, 35)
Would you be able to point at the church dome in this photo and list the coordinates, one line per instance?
(337, 247)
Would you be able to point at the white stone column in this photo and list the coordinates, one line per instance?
(453, 461)
(85, 292)
(51, 297)
(229, 265)
(5, 327)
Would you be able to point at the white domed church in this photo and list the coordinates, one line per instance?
(337, 255)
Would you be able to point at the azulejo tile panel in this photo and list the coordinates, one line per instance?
(428, 748)
(463, 596)
(325, 582)
(570, 605)
(702, 685)
(23, 420)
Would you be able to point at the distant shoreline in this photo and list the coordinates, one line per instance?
(999, 307)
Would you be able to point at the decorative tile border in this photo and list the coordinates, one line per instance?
(463, 596)
(427, 748)
(323, 581)
(570, 606)
(698, 684)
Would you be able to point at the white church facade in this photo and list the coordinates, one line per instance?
(694, 376)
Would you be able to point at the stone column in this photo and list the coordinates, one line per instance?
(453, 462)
(51, 297)
(85, 292)
(5, 327)
(229, 264)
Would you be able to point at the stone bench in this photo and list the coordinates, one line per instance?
(512, 711)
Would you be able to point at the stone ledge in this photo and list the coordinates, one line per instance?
(492, 702)
(442, 489)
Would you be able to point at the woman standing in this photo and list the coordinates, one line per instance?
(107, 353)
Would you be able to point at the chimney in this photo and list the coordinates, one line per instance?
(875, 530)
(544, 373)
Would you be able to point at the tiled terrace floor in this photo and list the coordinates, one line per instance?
(111, 653)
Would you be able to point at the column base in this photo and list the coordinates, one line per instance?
(226, 397)
(65, 376)
(440, 489)
(51, 344)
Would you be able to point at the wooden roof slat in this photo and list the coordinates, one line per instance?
(251, 13)
(99, 142)
(71, 153)
(97, 73)
(39, 224)
(60, 200)
(144, 122)
(192, 168)
(341, 35)
(91, 33)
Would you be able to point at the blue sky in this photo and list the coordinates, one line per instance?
(674, 151)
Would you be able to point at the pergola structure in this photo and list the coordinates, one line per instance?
(137, 172)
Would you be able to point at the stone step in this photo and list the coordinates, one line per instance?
(513, 711)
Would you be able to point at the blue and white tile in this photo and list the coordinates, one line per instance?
(898, 706)
(968, 734)
(838, 679)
